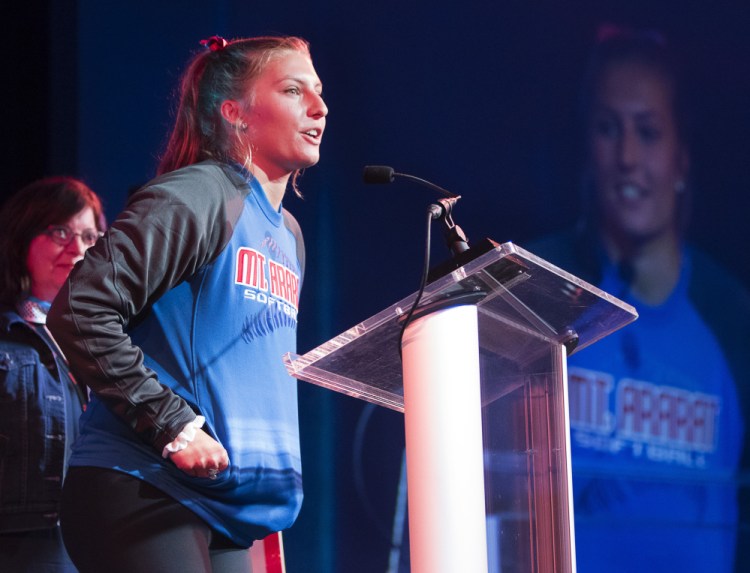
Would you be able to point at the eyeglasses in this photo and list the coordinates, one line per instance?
(63, 236)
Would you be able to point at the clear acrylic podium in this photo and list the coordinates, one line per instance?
(480, 375)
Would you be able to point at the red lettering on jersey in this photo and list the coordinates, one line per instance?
(250, 269)
(292, 287)
(274, 269)
(665, 415)
(589, 394)
(706, 410)
(627, 399)
(284, 283)
(646, 402)
(681, 431)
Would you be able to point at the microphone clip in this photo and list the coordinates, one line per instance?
(454, 236)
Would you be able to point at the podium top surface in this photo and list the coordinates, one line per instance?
(520, 297)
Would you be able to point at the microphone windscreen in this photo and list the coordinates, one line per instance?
(378, 174)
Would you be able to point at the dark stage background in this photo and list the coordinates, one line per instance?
(479, 97)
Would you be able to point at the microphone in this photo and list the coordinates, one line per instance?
(380, 174)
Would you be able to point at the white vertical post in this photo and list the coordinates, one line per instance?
(444, 454)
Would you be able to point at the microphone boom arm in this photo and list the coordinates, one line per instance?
(428, 184)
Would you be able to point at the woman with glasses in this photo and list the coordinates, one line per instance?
(45, 229)
(178, 322)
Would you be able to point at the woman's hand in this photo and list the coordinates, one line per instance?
(203, 457)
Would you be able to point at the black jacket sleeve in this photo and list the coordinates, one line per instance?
(168, 231)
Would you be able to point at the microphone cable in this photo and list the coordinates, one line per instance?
(425, 273)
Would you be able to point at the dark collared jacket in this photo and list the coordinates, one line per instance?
(36, 395)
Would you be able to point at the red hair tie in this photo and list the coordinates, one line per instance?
(214, 43)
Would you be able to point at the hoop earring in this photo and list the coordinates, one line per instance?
(247, 163)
